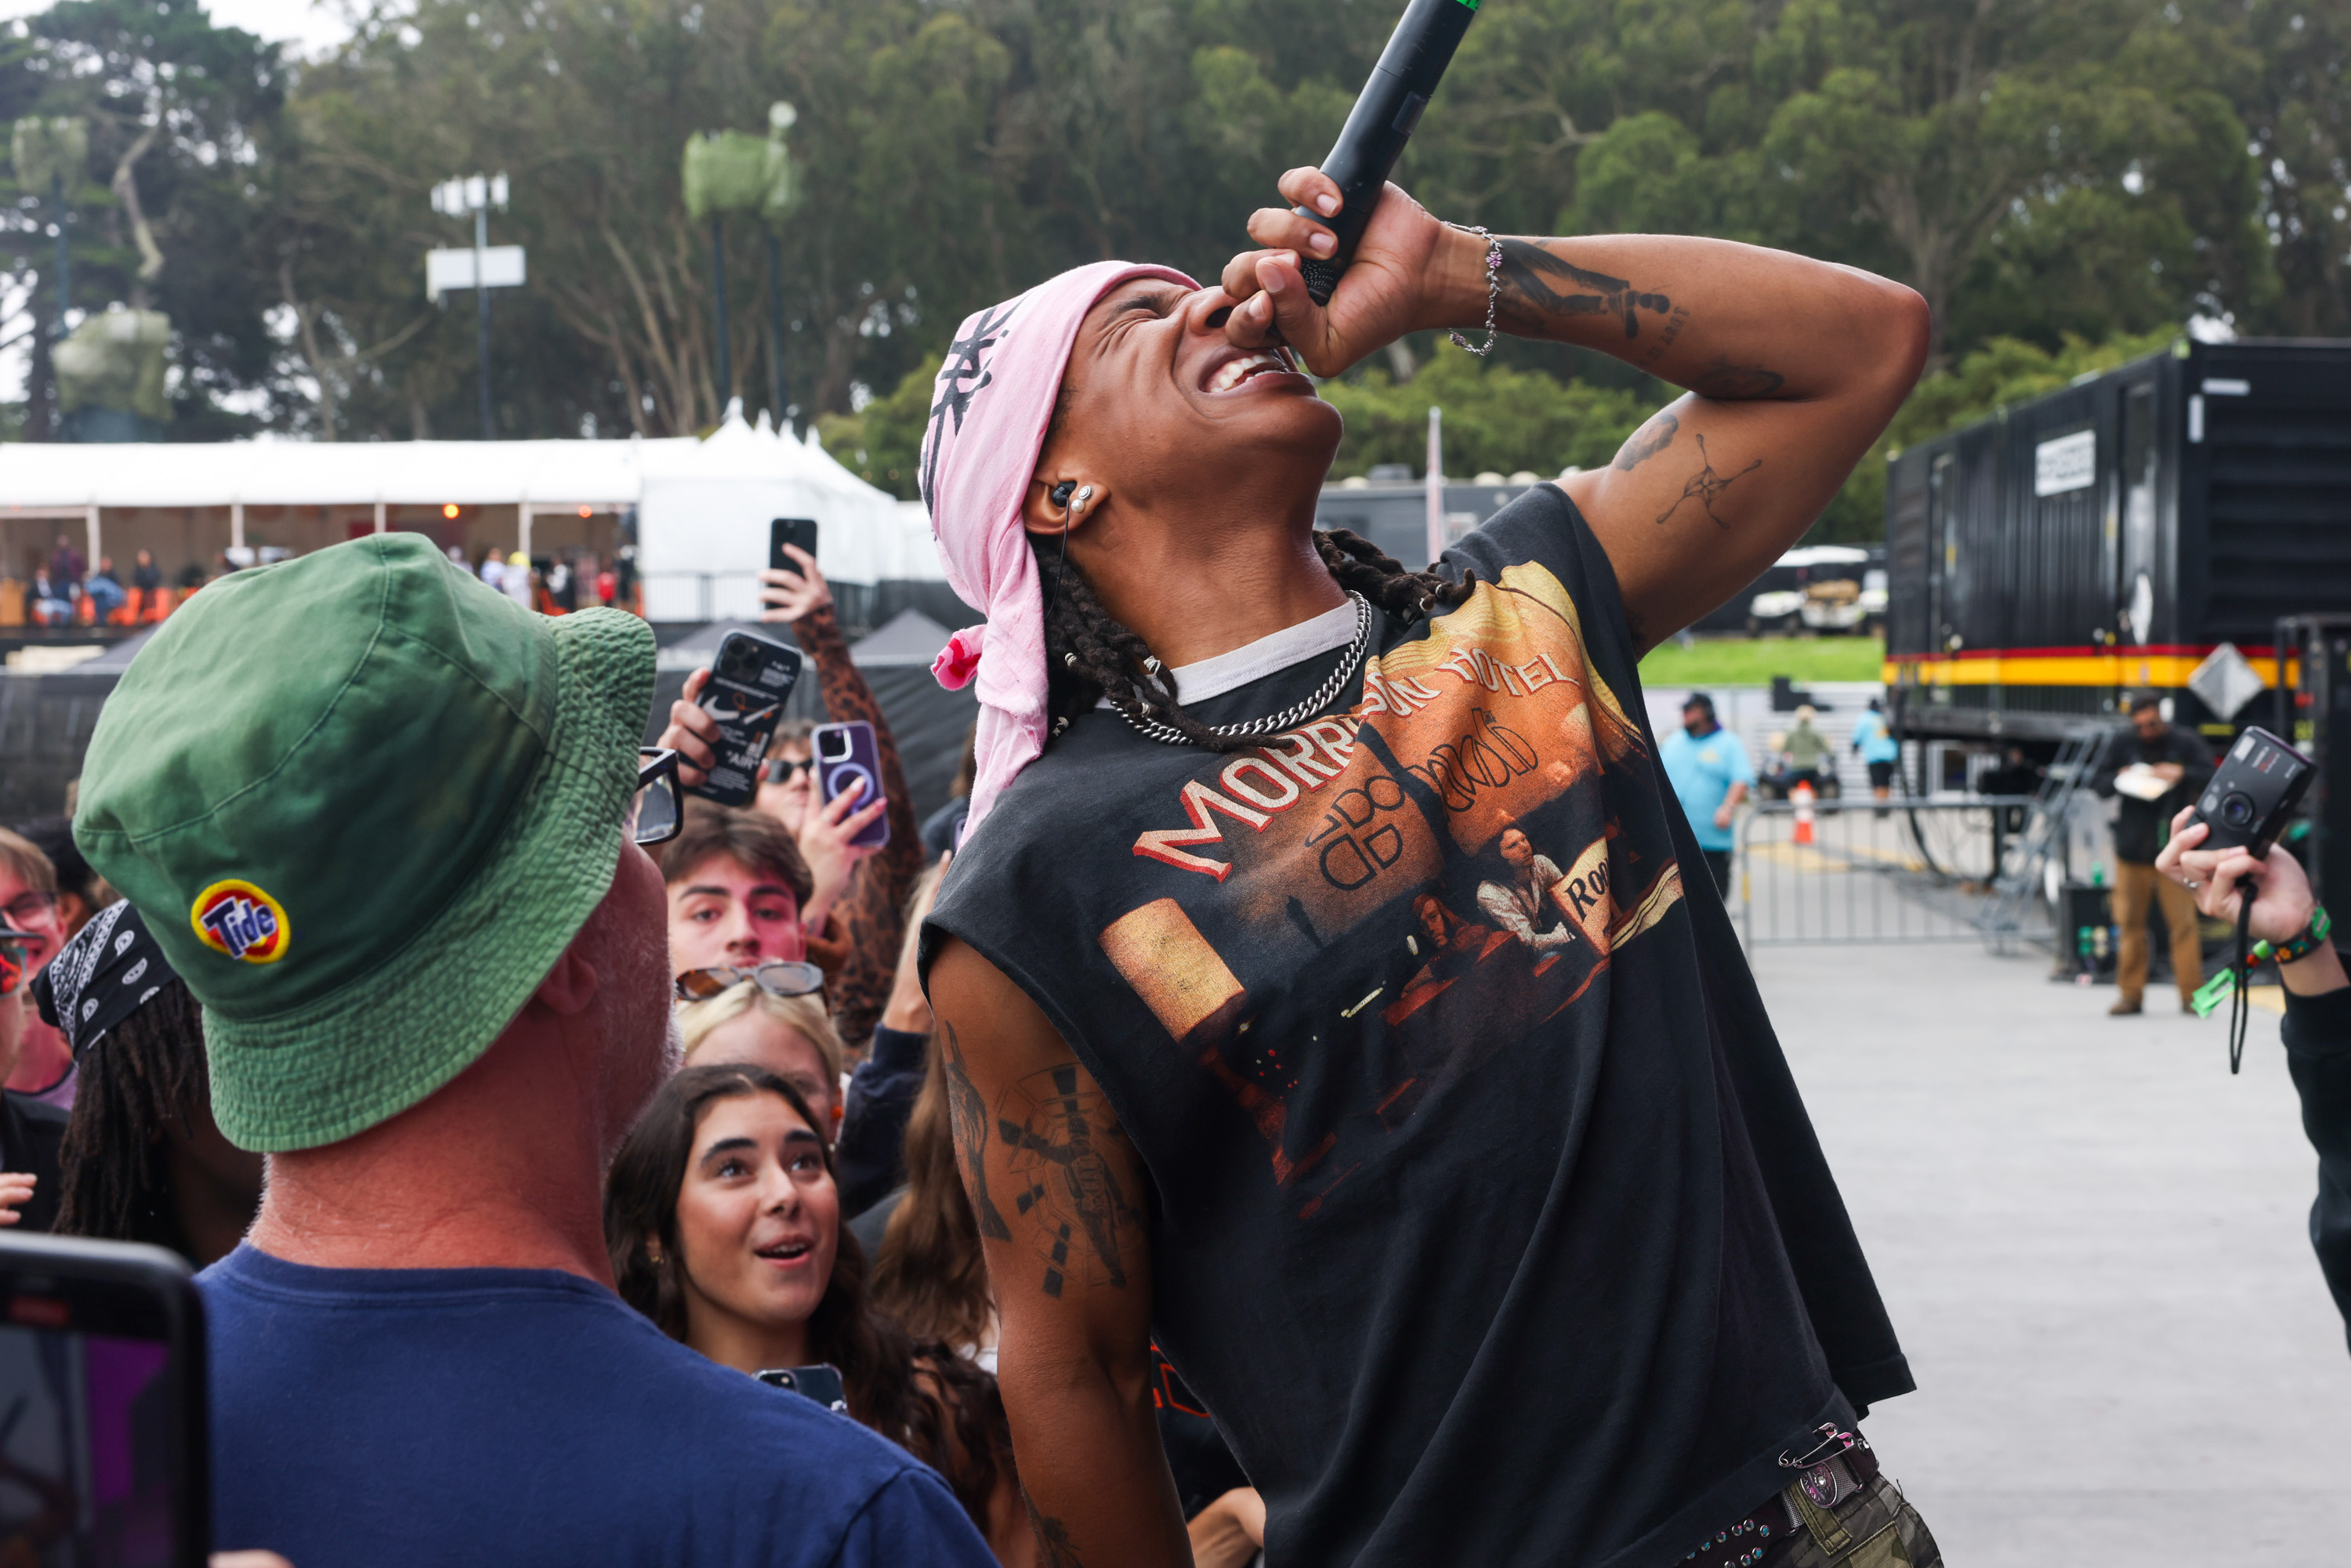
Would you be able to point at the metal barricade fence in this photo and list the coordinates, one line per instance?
(1867, 871)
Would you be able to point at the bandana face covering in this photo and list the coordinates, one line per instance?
(989, 407)
(110, 970)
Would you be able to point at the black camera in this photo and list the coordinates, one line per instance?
(2254, 793)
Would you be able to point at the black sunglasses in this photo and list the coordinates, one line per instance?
(780, 770)
(656, 811)
(778, 979)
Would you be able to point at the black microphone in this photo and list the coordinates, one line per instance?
(1380, 124)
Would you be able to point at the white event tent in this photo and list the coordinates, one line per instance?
(703, 505)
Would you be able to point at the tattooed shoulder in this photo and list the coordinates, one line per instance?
(1062, 1133)
(1706, 487)
(1648, 441)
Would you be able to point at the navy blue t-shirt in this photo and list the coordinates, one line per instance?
(513, 1416)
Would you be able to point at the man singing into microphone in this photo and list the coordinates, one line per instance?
(1478, 1250)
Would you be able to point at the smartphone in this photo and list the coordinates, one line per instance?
(102, 1414)
(2251, 799)
(782, 531)
(749, 681)
(820, 1382)
(846, 754)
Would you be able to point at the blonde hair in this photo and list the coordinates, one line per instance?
(804, 1016)
(24, 857)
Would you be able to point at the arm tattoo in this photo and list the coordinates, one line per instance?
(1728, 382)
(1648, 441)
(1082, 1219)
(1053, 1547)
(1707, 485)
(1547, 285)
(967, 1114)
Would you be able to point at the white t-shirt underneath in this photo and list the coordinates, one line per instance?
(1335, 628)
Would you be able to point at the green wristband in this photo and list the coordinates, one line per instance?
(2312, 937)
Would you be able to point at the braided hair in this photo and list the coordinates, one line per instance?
(145, 1075)
(1090, 655)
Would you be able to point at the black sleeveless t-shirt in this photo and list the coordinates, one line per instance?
(1486, 1219)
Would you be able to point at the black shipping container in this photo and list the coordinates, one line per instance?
(2110, 535)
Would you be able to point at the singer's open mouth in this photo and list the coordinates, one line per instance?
(1229, 371)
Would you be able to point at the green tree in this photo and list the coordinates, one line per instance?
(179, 112)
(1495, 417)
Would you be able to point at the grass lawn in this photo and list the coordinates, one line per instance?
(1754, 660)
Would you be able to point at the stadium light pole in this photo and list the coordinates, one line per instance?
(474, 196)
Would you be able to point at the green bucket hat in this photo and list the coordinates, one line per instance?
(364, 803)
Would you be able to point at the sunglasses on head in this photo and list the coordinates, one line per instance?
(656, 811)
(778, 979)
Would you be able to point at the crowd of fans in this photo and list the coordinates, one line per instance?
(787, 1198)
(65, 589)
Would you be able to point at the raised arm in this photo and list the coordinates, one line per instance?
(871, 914)
(1794, 366)
(1058, 1191)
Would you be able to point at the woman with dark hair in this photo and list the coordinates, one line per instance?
(142, 1159)
(723, 1224)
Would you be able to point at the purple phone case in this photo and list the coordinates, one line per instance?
(835, 772)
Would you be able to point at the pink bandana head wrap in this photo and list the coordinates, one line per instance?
(990, 404)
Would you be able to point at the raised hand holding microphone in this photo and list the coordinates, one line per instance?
(1409, 273)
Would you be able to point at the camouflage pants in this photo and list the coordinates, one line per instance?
(1874, 1528)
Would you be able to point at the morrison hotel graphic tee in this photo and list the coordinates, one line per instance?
(1486, 1219)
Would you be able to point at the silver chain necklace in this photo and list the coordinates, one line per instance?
(1273, 723)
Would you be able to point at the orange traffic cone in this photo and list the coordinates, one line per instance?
(1802, 796)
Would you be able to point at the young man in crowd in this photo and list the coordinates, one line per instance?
(374, 815)
(2152, 770)
(736, 886)
(1709, 769)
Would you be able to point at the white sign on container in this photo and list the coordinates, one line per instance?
(2068, 462)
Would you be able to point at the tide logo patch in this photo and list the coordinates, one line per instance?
(238, 919)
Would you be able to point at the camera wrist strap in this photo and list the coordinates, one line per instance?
(2222, 987)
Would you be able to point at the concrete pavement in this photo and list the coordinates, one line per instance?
(2093, 1241)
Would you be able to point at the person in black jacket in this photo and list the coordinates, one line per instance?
(30, 1132)
(2177, 756)
(2317, 1027)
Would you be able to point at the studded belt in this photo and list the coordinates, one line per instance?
(1763, 1537)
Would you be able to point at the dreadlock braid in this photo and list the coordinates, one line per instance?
(146, 1072)
(1089, 655)
(1357, 563)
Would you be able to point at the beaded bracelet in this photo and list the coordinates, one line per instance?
(2312, 936)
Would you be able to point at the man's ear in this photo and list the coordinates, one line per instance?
(571, 986)
(1056, 501)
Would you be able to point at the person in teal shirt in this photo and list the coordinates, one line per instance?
(1710, 774)
(1879, 750)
